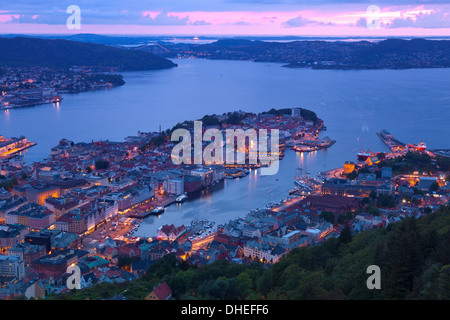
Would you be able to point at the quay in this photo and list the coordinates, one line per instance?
(9, 148)
(389, 140)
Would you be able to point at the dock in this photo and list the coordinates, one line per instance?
(389, 140)
(9, 148)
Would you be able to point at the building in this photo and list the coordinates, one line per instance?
(349, 167)
(173, 186)
(62, 205)
(426, 182)
(57, 263)
(332, 203)
(44, 237)
(160, 292)
(192, 183)
(10, 235)
(10, 204)
(263, 251)
(31, 215)
(341, 187)
(296, 113)
(171, 232)
(206, 175)
(27, 252)
(12, 267)
(38, 194)
(386, 173)
(87, 217)
(73, 222)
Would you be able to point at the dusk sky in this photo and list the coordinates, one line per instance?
(230, 17)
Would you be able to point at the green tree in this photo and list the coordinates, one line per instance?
(341, 219)
(327, 216)
(244, 284)
(346, 235)
(373, 195)
(444, 283)
(101, 164)
(381, 156)
(374, 211)
(434, 187)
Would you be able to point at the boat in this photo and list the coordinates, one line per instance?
(182, 198)
(363, 155)
(419, 147)
(158, 210)
(305, 148)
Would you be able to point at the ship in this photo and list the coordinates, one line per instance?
(419, 147)
(182, 198)
(305, 148)
(363, 155)
(158, 210)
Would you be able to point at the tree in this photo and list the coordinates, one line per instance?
(327, 216)
(374, 211)
(124, 262)
(352, 175)
(434, 187)
(346, 235)
(341, 219)
(381, 156)
(402, 262)
(101, 164)
(444, 283)
(244, 284)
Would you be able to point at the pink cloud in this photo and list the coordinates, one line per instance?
(339, 21)
(5, 17)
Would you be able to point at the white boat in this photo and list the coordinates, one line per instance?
(158, 210)
(182, 198)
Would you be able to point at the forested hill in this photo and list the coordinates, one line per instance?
(414, 257)
(317, 54)
(35, 52)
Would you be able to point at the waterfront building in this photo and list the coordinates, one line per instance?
(173, 186)
(206, 174)
(192, 183)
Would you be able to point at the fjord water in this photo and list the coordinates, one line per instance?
(412, 104)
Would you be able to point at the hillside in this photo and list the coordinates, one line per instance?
(414, 257)
(317, 54)
(32, 52)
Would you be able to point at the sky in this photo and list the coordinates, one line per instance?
(228, 17)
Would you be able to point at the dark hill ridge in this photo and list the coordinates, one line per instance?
(319, 54)
(31, 52)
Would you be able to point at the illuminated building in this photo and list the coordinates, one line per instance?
(38, 194)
